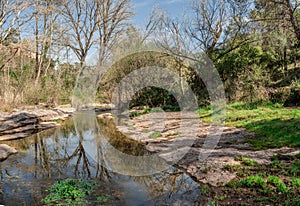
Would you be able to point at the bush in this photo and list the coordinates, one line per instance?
(280, 95)
(68, 192)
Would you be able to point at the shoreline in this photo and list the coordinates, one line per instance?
(205, 169)
(30, 120)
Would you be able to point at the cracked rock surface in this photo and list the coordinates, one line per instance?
(201, 149)
(23, 123)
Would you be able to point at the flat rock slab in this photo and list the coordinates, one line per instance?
(23, 123)
(203, 150)
(105, 116)
(6, 151)
(207, 166)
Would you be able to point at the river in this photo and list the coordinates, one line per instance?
(78, 149)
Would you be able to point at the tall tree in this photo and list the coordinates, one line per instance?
(45, 16)
(81, 23)
(210, 25)
(113, 16)
(11, 19)
(278, 23)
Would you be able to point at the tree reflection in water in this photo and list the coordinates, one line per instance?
(65, 152)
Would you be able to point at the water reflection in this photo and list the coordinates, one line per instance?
(84, 151)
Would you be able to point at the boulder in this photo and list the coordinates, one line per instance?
(6, 151)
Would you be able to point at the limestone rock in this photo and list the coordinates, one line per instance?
(5, 151)
(23, 123)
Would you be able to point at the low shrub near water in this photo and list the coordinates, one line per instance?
(70, 192)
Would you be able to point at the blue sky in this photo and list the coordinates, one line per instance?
(143, 8)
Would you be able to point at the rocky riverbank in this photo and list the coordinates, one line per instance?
(164, 134)
(27, 121)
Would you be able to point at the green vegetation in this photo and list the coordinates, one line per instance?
(155, 135)
(103, 198)
(144, 111)
(246, 161)
(295, 182)
(231, 167)
(254, 181)
(68, 192)
(278, 183)
(204, 189)
(59, 120)
(72, 192)
(267, 184)
(274, 125)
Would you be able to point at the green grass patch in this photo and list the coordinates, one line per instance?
(246, 161)
(155, 135)
(205, 190)
(59, 120)
(253, 181)
(274, 125)
(272, 184)
(278, 183)
(295, 182)
(232, 167)
(145, 111)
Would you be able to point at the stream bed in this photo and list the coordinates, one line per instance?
(78, 149)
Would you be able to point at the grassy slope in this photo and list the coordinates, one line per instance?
(273, 125)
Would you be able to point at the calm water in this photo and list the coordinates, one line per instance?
(80, 149)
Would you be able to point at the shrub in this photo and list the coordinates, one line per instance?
(68, 192)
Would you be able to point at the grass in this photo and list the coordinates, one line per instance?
(274, 125)
(204, 189)
(253, 181)
(295, 182)
(278, 183)
(246, 161)
(155, 135)
(259, 184)
(273, 183)
(268, 184)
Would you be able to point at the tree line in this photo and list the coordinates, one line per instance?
(253, 43)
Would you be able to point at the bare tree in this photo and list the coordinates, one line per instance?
(210, 25)
(11, 20)
(113, 16)
(81, 23)
(45, 16)
(287, 10)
